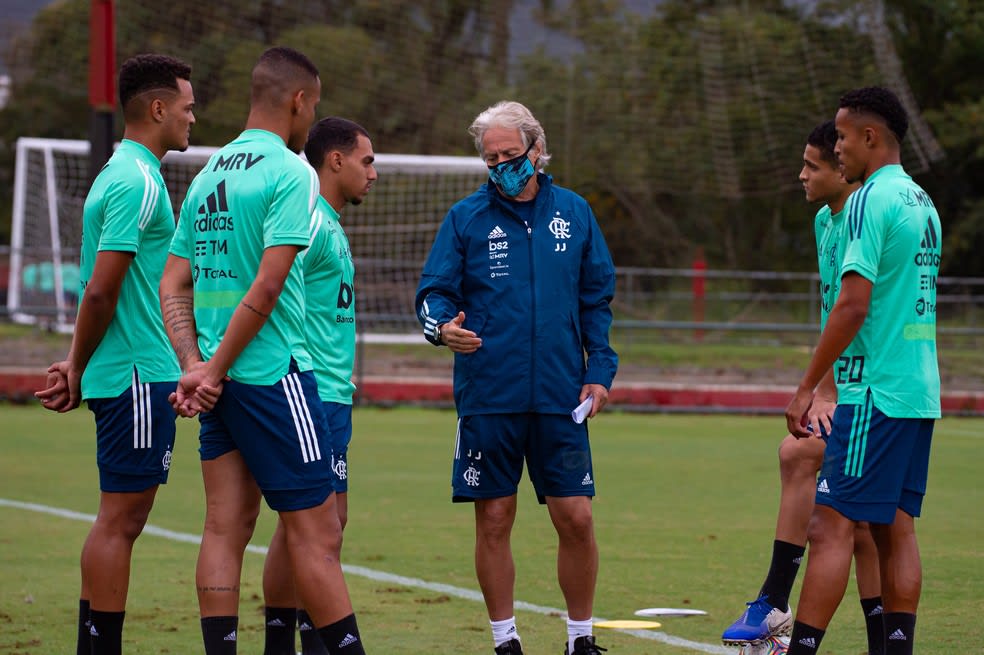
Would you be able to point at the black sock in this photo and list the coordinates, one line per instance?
(786, 558)
(342, 637)
(106, 632)
(219, 634)
(280, 630)
(873, 622)
(84, 644)
(805, 640)
(311, 643)
(900, 632)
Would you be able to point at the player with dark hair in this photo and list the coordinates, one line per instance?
(233, 300)
(120, 361)
(341, 153)
(881, 103)
(144, 77)
(769, 616)
(880, 338)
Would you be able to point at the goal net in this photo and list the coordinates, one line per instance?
(390, 232)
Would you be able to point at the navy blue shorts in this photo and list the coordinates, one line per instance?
(134, 436)
(875, 464)
(339, 419)
(490, 449)
(281, 433)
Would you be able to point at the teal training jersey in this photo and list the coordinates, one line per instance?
(893, 239)
(830, 250)
(128, 210)
(252, 194)
(329, 276)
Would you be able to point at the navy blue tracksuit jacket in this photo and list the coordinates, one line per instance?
(538, 294)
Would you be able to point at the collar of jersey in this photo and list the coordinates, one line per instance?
(836, 218)
(888, 170)
(266, 135)
(141, 151)
(328, 209)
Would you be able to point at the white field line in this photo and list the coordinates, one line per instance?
(380, 576)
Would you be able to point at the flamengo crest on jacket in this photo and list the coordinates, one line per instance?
(537, 295)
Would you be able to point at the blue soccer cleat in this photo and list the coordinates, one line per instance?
(759, 622)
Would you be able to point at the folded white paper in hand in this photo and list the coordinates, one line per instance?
(581, 411)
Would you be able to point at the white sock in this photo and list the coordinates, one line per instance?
(504, 630)
(577, 629)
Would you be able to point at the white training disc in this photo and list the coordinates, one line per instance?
(669, 611)
(628, 624)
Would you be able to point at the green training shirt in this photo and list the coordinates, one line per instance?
(830, 250)
(128, 210)
(893, 239)
(253, 194)
(329, 276)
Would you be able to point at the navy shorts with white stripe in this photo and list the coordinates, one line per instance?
(134, 436)
(281, 432)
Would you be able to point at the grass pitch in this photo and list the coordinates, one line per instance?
(684, 517)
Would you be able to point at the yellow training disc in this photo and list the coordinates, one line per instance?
(629, 624)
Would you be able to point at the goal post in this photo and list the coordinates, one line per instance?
(35, 239)
(390, 233)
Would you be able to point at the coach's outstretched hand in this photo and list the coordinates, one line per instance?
(459, 339)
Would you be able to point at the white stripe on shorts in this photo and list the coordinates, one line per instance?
(141, 412)
(457, 440)
(303, 423)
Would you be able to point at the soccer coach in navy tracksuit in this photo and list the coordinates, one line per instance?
(518, 284)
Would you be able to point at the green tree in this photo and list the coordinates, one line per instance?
(940, 46)
(684, 126)
(692, 124)
(49, 88)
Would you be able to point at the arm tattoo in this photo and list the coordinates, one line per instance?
(179, 322)
(254, 310)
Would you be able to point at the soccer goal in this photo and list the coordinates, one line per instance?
(390, 233)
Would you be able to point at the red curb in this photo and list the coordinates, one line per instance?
(19, 385)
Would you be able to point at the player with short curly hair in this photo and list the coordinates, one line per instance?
(880, 339)
(770, 615)
(120, 361)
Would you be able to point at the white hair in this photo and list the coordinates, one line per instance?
(512, 115)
